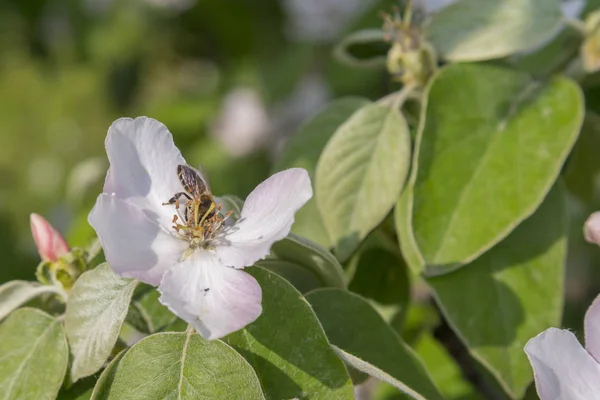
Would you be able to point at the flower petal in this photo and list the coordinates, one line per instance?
(267, 216)
(50, 244)
(592, 329)
(216, 300)
(562, 368)
(134, 245)
(591, 229)
(143, 166)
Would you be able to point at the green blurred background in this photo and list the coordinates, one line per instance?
(232, 79)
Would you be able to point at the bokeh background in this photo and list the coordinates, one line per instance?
(232, 79)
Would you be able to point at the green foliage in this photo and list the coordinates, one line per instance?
(303, 151)
(524, 283)
(308, 369)
(182, 366)
(361, 173)
(14, 294)
(474, 30)
(511, 135)
(301, 278)
(363, 340)
(96, 309)
(584, 164)
(35, 355)
(426, 288)
(312, 257)
(147, 314)
(104, 384)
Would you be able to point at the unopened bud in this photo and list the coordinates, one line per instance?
(411, 59)
(50, 244)
(590, 49)
(413, 67)
(591, 229)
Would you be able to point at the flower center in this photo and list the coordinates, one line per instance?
(201, 220)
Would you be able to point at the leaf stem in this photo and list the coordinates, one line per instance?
(397, 99)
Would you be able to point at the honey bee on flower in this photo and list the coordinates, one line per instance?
(158, 222)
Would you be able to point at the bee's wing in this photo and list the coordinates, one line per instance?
(203, 174)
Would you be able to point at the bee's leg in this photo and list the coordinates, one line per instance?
(175, 199)
(208, 212)
(196, 212)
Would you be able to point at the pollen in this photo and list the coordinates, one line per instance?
(199, 225)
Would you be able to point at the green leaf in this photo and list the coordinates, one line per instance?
(147, 314)
(179, 366)
(104, 383)
(510, 294)
(34, 356)
(288, 348)
(82, 390)
(443, 369)
(553, 57)
(96, 309)
(474, 30)
(381, 277)
(490, 146)
(303, 151)
(302, 279)
(365, 48)
(361, 173)
(14, 294)
(584, 164)
(313, 257)
(362, 339)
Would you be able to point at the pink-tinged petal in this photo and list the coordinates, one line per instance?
(143, 166)
(562, 368)
(267, 216)
(591, 228)
(592, 329)
(134, 245)
(216, 300)
(50, 244)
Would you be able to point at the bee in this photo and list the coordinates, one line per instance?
(199, 202)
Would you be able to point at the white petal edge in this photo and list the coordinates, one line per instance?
(562, 368)
(216, 300)
(267, 216)
(143, 166)
(134, 245)
(591, 228)
(592, 329)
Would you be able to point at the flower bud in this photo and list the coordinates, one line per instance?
(50, 244)
(411, 59)
(590, 49)
(591, 228)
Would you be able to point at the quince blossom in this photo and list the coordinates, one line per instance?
(198, 271)
(50, 244)
(563, 368)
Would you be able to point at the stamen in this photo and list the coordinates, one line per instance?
(198, 227)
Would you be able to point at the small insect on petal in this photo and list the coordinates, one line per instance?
(50, 244)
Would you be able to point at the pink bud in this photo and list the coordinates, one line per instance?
(591, 229)
(50, 244)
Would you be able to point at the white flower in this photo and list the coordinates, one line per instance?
(563, 369)
(197, 268)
